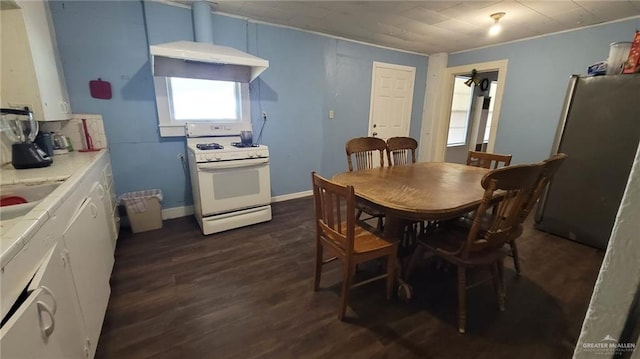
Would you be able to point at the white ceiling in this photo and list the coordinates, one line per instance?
(430, 27)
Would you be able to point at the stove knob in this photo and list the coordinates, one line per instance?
(251, 154)
(218, 158)
(209, 158)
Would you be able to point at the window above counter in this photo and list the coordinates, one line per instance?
(181, 100)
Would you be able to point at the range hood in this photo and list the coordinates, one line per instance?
(202, 60)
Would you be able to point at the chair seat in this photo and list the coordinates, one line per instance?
(366, 241)
(466, 221)
(445, 242)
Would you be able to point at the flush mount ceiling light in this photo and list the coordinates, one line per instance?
(495, 29)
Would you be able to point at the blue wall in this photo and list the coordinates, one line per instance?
(308, 76)
(537, 80)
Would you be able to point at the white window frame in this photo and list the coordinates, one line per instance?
(173, 128)
(492, 94)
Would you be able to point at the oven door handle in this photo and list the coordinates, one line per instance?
(232, 164)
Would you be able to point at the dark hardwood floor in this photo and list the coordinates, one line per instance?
(247, 293)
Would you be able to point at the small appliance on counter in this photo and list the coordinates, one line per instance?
(60, 144)
(21, 129)
(44, 140)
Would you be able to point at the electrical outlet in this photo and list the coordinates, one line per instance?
(331, 114)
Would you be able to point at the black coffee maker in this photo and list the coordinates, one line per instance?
(21, 128)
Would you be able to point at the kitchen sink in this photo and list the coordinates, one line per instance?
(32, 193)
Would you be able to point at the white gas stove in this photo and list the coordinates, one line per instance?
(230, 180)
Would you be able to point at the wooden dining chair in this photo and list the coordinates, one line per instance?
(338, 233)
(401, 150)
(487, 160)
(366, 150)
(484, 243)
(549, 168)
(484, 160)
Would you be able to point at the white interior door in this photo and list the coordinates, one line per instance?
(391, 100)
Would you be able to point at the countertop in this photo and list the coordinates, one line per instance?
(63, 167)
(70, 168)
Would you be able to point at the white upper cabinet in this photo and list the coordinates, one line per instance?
(31, 69)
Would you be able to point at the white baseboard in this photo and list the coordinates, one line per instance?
(177, 212)
(286, 197)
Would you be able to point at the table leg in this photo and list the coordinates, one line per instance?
(394, 229)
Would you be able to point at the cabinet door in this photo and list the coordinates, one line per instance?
(17, 63)
(47, 324)
(46, 60)
(88, 241)
(31, 63)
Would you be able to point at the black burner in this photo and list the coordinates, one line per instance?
(209, 146)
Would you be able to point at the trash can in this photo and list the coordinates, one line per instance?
(143, 209)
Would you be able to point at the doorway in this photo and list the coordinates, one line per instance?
(449, 81)
(471, 114)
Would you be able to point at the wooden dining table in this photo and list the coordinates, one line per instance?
(420, 191)
(424, 191)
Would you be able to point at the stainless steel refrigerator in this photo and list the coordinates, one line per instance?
(600, 130)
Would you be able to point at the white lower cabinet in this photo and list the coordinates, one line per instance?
(47, 324)
(89, 245)
(60, 309)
